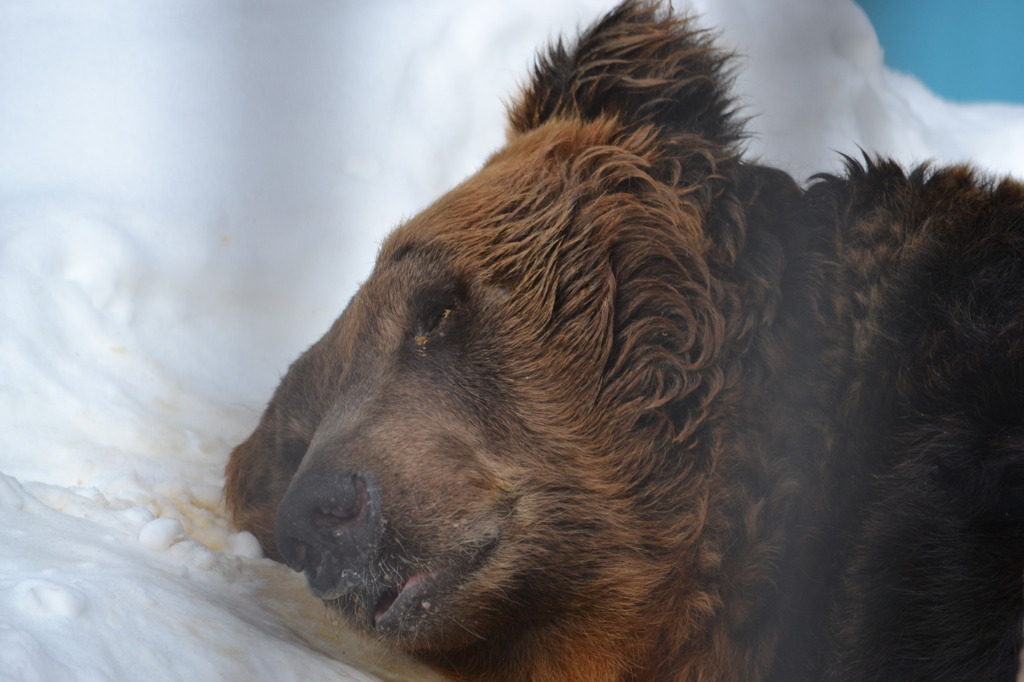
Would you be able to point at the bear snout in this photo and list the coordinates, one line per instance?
(328, 527)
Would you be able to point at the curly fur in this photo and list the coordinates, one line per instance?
(656, 413)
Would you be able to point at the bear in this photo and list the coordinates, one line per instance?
(626, 405)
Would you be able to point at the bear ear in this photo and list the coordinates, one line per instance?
(641, 64)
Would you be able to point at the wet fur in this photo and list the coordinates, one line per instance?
(682, 419)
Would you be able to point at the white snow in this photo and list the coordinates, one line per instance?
(189, 193)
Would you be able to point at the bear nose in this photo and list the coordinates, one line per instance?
(328, 526)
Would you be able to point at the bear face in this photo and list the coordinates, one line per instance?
(530, 354)
(492, 400)
(623, 406)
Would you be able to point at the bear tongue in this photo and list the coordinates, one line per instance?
(391, 595)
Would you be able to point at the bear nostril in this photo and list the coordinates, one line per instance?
(296, 554)
(335, 516)
(301, 557)
(313, 558)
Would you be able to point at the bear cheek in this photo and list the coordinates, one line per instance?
(255, 483)
(439, 491)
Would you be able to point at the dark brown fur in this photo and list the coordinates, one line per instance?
(640, 410)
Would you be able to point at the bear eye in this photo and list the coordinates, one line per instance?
(437, 317)
(431, 322)
(292, 451)
(433, 306)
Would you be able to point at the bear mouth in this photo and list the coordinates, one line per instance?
(397, 600)
(410, 607)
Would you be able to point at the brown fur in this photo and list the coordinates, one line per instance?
(602, 385)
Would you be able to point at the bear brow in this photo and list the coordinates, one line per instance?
(416, 249)
(405, 250)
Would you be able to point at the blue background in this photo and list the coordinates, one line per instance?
(962, 49)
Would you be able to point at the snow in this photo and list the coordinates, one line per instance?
(189, 193)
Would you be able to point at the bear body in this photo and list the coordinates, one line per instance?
(625, 406)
